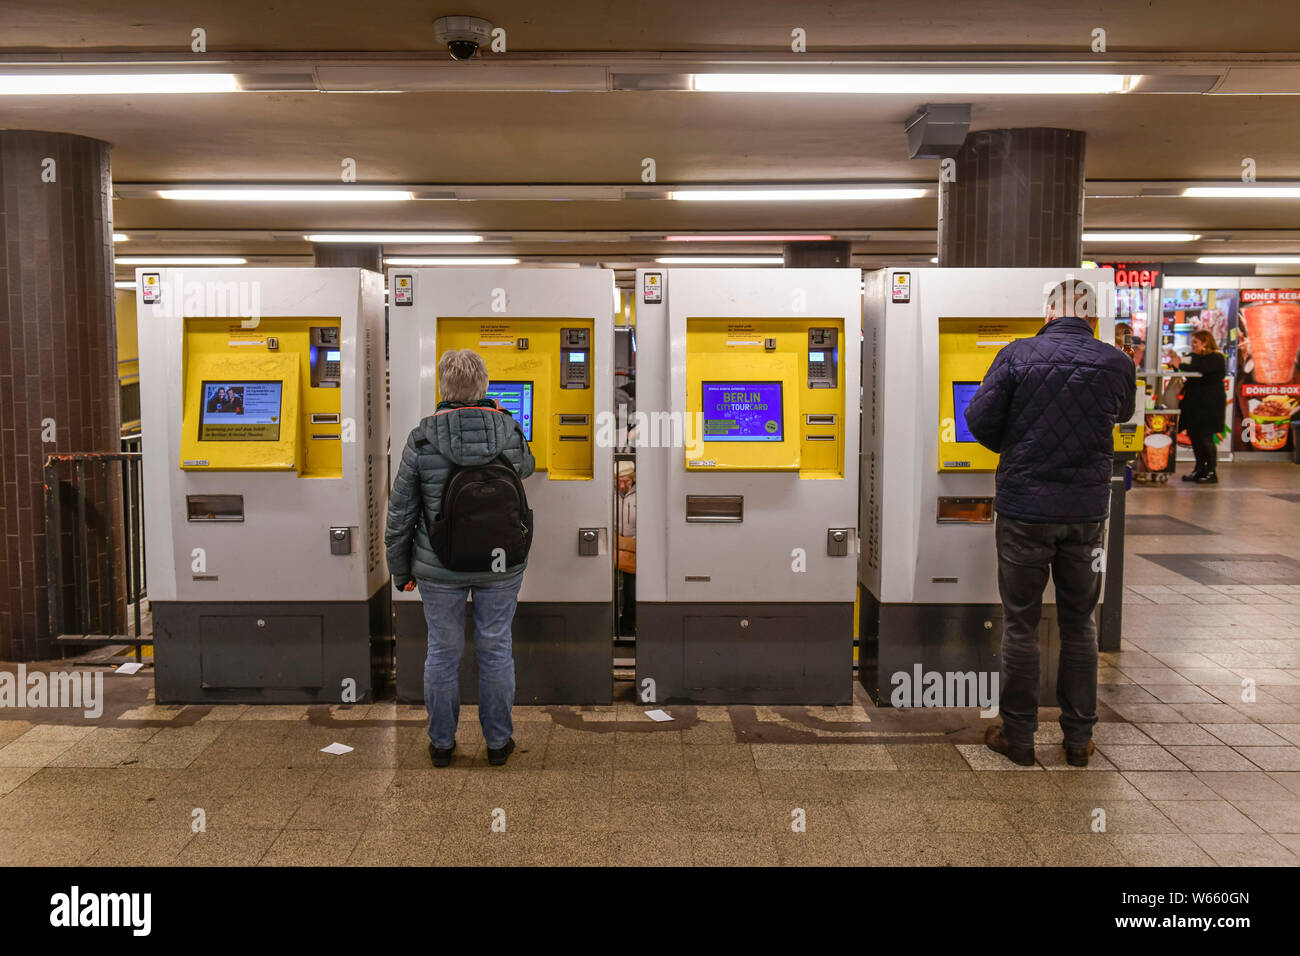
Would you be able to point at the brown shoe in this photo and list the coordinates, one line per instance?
(994, 740)
(1078, 756)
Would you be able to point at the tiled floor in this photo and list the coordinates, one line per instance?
(1190, 767)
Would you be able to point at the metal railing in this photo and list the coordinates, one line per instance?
(93, 546)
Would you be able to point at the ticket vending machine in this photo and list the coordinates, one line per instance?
(928, 565)
(263, 413)
(747, 408)
(547, 337)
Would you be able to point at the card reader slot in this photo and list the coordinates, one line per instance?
(965, 511)
(819, 419)
(715, 508)
(819, 437)
(574, 419)
(214, 507)
(334, 437)
(323, 418)
(573, 438)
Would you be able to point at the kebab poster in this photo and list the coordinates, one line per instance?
(1268, 384)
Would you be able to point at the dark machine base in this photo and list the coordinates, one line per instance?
(944, 638)
(745, 653)
(564, 654)
(295, 652)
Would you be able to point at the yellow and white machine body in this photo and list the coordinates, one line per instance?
(928, 564)
(262, 406)
(747, 459)
(547, 338)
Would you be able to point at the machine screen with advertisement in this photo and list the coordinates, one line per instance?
(546, 337)
(747, 595)
(928, 568)
(265, 516)
(742, 411)
(240, 411)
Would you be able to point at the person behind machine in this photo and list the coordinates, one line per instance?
(1202, 403)
(1048, 406)
(627, 546)
(469, 454)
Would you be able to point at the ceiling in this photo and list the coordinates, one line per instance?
(487, 136)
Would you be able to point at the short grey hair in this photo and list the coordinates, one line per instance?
(462, 376)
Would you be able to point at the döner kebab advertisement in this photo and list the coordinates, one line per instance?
(1268, 384)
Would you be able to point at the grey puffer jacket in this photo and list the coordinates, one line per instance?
(463, 435)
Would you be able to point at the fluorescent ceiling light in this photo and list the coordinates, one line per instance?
(814, 194)
(1244, 191)
(1249, 260)
(286, 194)
(179, 261)
(119, 237)
(1141, 236)
(450, 261)
(934, 259)
(392, 238)
(124, 285)
(748, 238)
(80, 84)
(721, 260)
(975, 84)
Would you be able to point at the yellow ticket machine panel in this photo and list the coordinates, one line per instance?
(539, 370)
(263, 399)
(967, 348)
(765, 395)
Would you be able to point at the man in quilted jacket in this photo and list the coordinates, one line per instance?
(1048, 407)
(466, 429)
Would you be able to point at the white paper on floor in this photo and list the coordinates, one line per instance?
(336, 748)
(659, 715)
(128, 668)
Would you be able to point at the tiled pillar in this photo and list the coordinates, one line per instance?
(58, 366)
(818, 255)
(1017, 201)
(330, 255)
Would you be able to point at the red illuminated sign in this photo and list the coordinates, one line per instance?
(1138, 275)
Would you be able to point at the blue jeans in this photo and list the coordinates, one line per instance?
(494, 610)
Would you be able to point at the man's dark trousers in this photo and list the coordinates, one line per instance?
(1027, 552)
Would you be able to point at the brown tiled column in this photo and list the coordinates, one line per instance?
(331, 255)
(1017, 201)
(818, 255)
(58, 364)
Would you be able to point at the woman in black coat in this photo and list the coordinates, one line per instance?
(1202, 404)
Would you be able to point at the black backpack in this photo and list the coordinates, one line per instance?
(484, 508)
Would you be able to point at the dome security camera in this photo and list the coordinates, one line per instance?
(462, 35)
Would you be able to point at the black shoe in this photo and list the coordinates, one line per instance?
(498, 756)
(442, 758)
(1078, 756)
(1192, 476)
(1210, 479)
(994, 740)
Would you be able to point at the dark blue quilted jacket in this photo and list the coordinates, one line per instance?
(1048, 407)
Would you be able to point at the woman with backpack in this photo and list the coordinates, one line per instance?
(459, 524)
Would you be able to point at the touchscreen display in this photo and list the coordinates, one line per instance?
(962, 393)
(517, 399)
(240, 411)
(742, 411)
